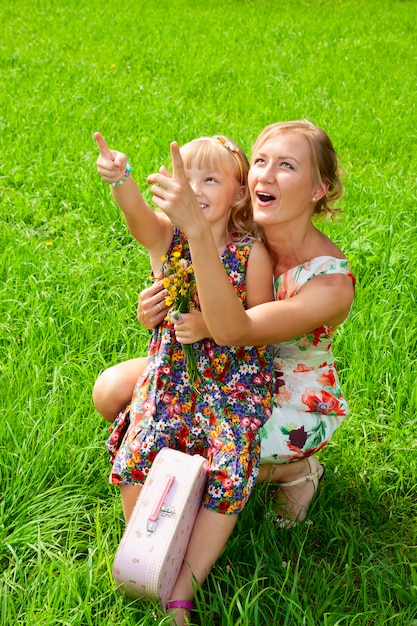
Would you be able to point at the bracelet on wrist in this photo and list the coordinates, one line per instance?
(125, 176)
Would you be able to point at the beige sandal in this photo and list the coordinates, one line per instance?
(315, 475)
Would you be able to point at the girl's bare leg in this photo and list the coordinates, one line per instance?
(113, 389)
(129, 495)
(210, 534)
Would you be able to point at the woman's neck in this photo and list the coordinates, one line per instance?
(289, 249)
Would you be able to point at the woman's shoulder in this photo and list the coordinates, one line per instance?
(297, 276)
(327, 264)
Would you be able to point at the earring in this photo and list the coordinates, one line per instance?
(313, 199)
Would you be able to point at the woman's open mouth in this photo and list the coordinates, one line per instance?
(264, 197)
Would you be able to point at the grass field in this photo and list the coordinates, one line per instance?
(144, 74)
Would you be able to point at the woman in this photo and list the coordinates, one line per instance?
(293, 178)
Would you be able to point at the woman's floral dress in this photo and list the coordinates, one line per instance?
(219, 417)
(308, 401)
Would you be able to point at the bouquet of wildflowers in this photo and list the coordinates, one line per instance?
(179, 281)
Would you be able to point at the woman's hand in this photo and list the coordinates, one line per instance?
(174, 196)
(152, 309)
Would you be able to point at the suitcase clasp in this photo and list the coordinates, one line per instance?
(167, 510)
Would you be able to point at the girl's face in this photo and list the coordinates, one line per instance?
(280, 180)
(215, 191)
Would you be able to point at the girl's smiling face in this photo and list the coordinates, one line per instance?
(281, 179)
(215, 191)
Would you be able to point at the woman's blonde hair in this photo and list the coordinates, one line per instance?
(324, 159)
(221, 153)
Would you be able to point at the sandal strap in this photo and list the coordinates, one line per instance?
(180, 604)
(314, 476)
(311, 476)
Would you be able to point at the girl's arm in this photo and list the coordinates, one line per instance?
(259, 287)
(323, 300)
(152, 230)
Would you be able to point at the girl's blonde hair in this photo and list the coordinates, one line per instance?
(221, 153)
(325, 161)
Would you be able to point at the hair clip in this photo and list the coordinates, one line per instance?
(234, 151)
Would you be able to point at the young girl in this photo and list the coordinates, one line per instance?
(220, 414)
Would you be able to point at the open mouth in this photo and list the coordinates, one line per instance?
(264, 197)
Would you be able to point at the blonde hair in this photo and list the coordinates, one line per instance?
(324, 160)
(221, 153)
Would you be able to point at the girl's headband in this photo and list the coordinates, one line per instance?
(234, 151)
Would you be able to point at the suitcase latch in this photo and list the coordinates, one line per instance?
(167, 510)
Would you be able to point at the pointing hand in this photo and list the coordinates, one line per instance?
(174, 195)
(111, 165)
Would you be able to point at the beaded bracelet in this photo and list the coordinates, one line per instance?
(125, 176)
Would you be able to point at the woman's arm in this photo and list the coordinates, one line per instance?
(322, 300)
(191, 327)
(152, 308)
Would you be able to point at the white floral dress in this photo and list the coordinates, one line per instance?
(308, 402)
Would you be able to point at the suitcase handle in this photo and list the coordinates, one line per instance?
(153, 517)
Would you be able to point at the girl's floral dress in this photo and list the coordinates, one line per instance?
(219, 417)
(308, 401)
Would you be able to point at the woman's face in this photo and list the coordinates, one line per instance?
(280, 180)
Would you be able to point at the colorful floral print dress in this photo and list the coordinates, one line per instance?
(219, 417)
(308, 401)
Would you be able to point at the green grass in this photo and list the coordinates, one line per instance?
(144, 74)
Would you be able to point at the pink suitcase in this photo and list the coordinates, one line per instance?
(153, 546)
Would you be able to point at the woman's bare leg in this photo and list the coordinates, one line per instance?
(113, 389)
(281, 472)
(293, 500)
